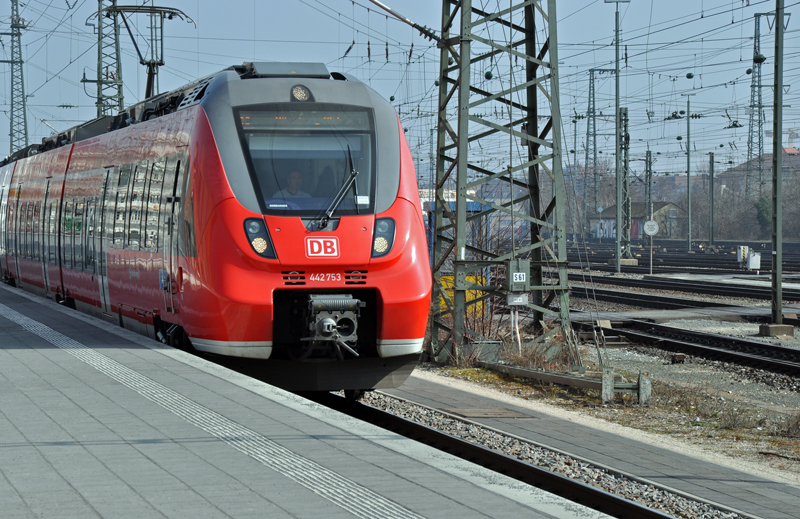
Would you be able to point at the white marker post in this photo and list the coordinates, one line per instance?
(651, 229)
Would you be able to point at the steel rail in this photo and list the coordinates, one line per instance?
(538, 477)
(699, 287)
(774, 357)
(641, 299)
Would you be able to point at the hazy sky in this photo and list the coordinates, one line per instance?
(665, 40)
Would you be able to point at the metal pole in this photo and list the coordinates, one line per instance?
(460, 270)
(432, 167)
(437, 351)
(711, 196)
(648, 166)
(777, 171)
(534, 185)
(559, 216)
(648, 184)
(575, 166)
(618, 153)
(688, 174)
(626, 194)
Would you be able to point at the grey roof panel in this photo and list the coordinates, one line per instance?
(304, 70)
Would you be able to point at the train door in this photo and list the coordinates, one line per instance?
(101, 242)
(3, 226)
(18, 221)
(43, 239)
(170, 277)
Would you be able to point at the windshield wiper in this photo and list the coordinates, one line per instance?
(323, 222)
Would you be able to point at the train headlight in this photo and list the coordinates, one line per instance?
(300, 93)
(381, 245)
(259, 245)
(259, 239)
(383, 239)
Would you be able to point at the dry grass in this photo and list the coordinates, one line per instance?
(792, 425)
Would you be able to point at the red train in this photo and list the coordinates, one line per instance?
(267, 214)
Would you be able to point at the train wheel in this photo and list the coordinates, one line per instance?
(353, 395)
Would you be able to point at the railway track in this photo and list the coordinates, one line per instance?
(641, 299)
(691, 286)
(669, 257)
(774, 357)
(567, 488)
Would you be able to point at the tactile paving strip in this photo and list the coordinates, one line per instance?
(347, 494)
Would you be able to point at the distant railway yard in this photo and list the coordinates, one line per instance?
(696, 330)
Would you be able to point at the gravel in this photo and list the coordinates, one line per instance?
(757, 386)
(618, 484)
(741, 329)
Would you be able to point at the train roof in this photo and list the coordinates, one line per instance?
(170, 102)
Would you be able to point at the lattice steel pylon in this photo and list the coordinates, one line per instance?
(755, 129)
(109, 64)
(19, 113)
(519, 221)
(591, 142)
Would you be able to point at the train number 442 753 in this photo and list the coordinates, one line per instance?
(328, 276)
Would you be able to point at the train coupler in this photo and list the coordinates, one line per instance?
(334, 318)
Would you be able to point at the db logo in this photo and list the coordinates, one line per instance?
(322, 247)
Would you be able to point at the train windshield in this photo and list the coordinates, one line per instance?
(301, 158)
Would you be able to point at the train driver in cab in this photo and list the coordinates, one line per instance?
(294, 182)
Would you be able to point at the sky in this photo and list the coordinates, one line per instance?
(661, 41)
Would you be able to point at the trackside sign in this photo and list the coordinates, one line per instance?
(322, 247)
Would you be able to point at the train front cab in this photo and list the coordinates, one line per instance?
(282, 280)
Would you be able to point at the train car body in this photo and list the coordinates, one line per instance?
(267, 214)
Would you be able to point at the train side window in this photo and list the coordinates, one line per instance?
(66, 234)
(120, 212)
(91, 226)
(135, 213)
(19, 230)
(153, 204)
(28, 229)
(53, 231)
(78, 231)
(10, 229)
(187, 243)
(3, 211)
(13, 223)
(23, 231)
(167, 220)
(37, 215)
(29, 224)
(46, 234)
(109, 203)
(143, 210)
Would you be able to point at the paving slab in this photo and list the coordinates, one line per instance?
(96, 421)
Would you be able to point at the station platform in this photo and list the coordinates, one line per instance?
(734, 490)
(96, 421)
